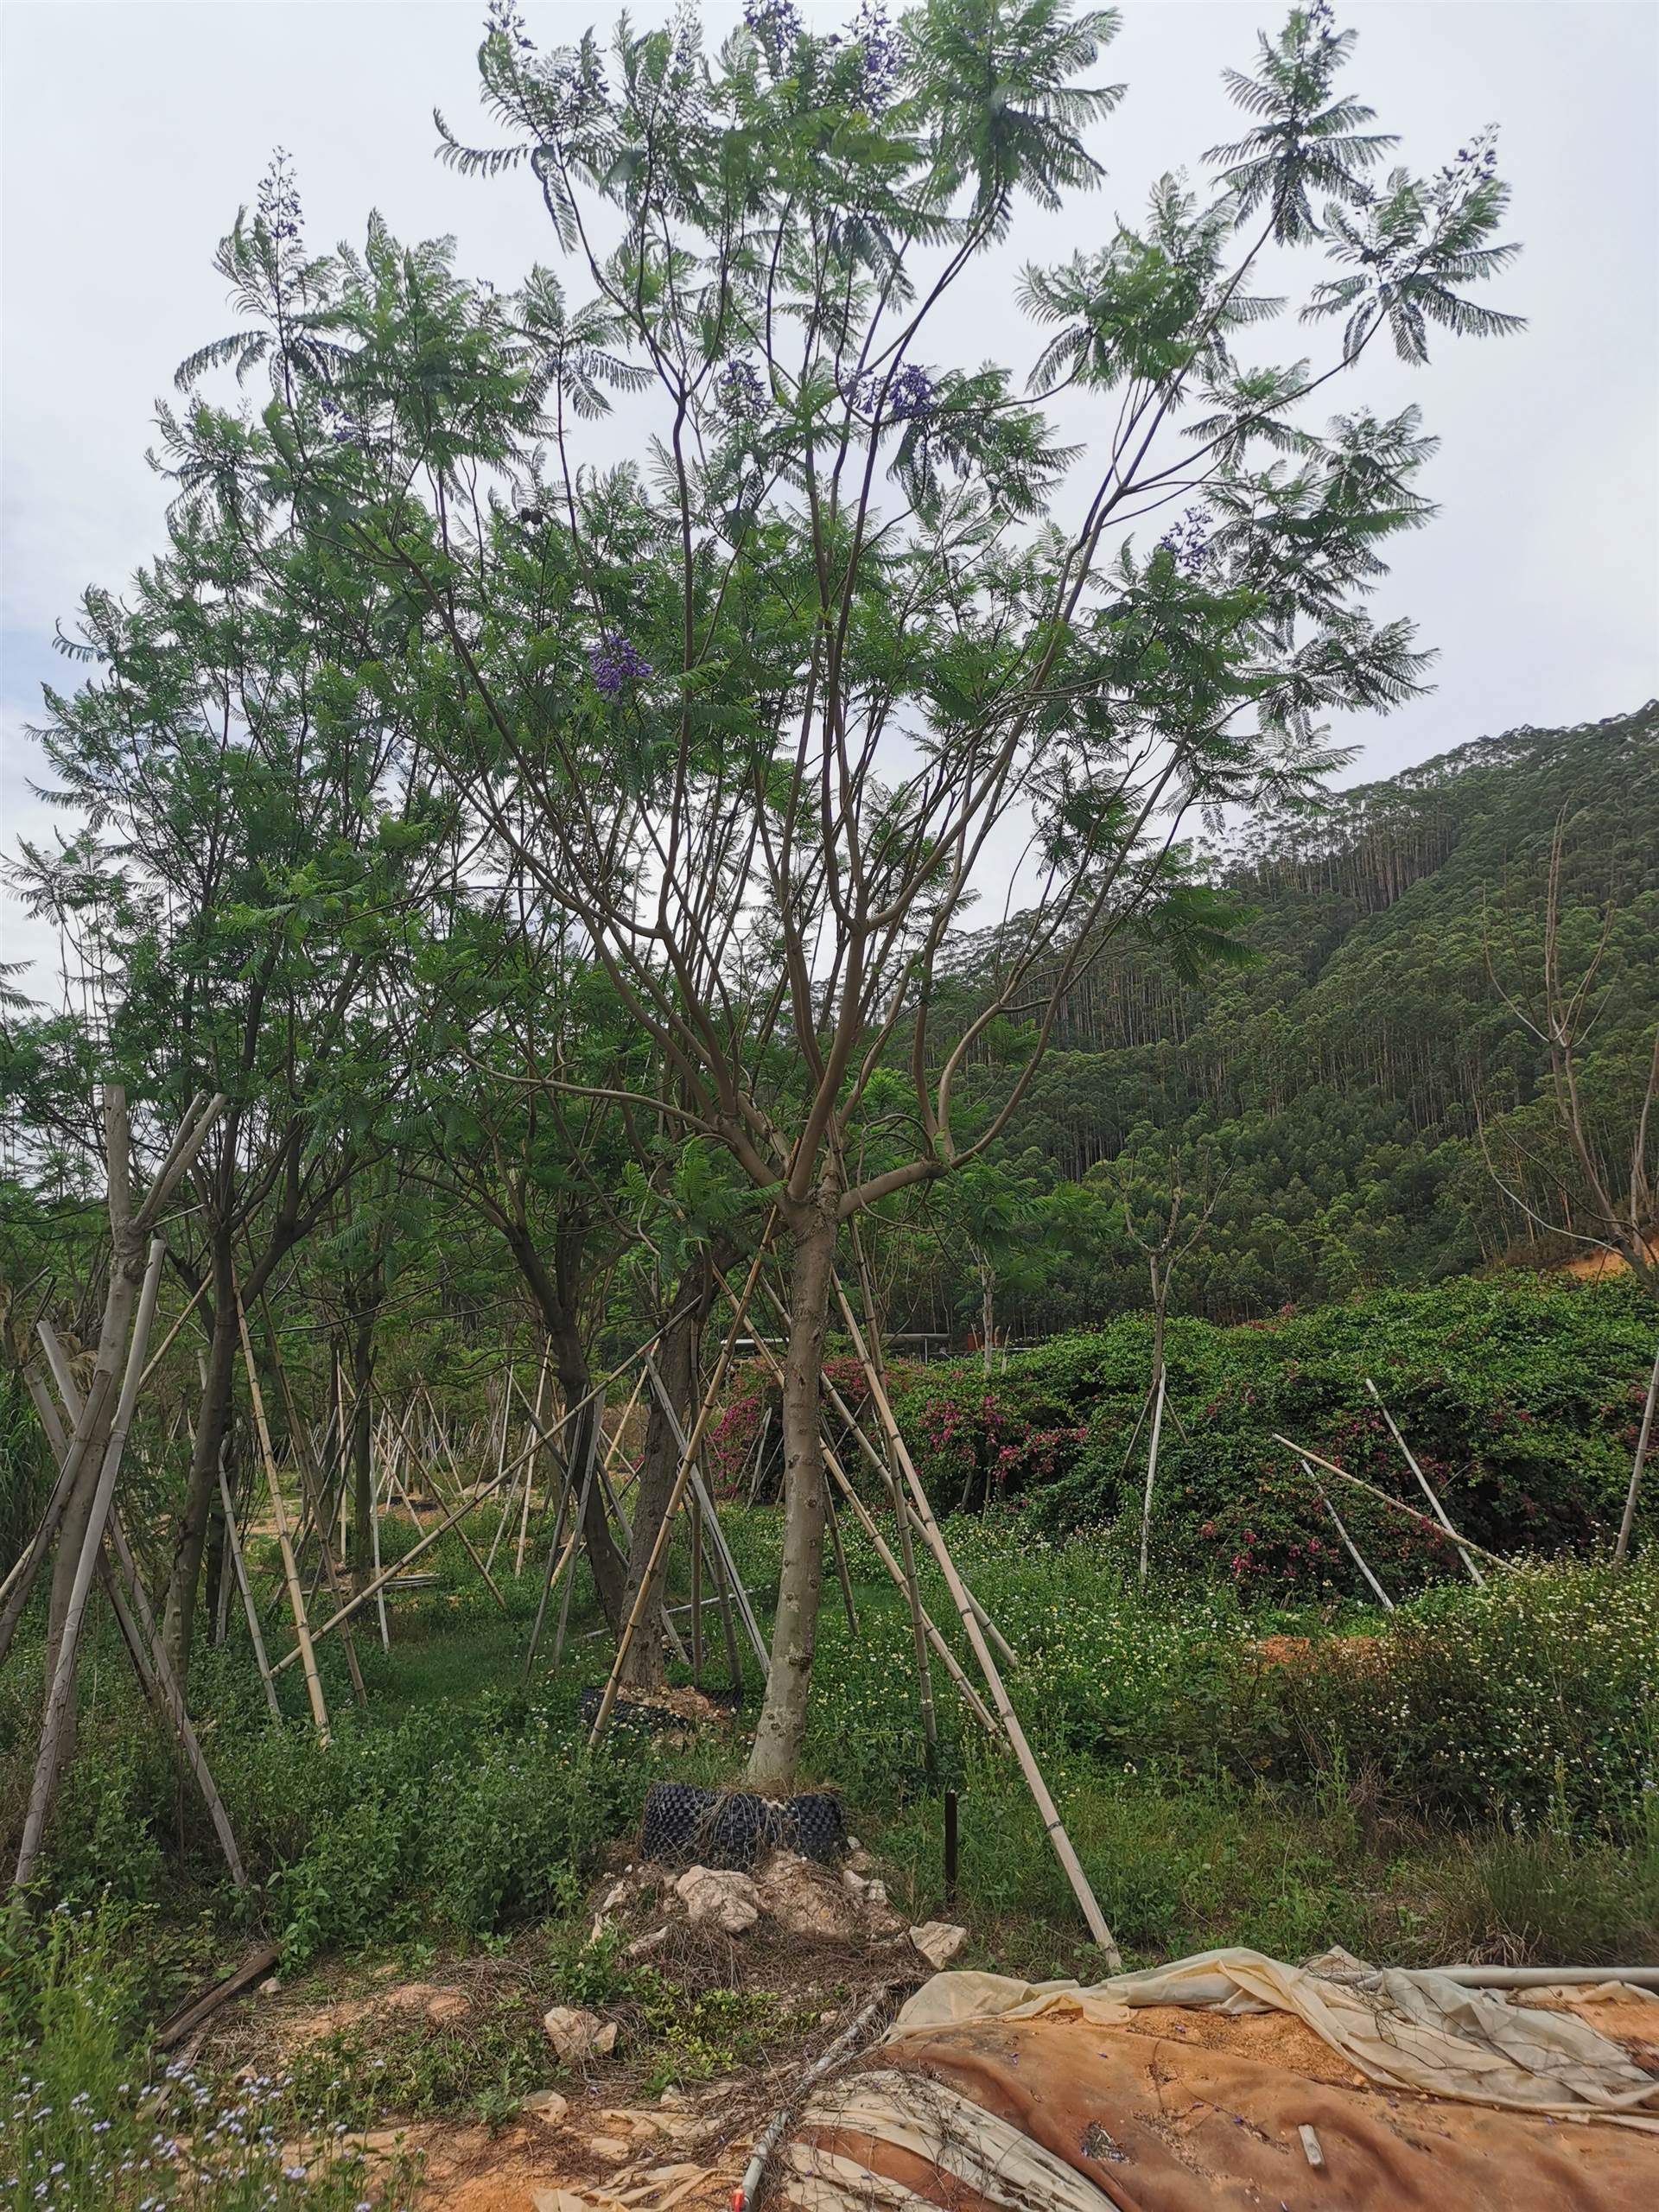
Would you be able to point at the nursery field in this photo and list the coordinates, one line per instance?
(1471, 1776)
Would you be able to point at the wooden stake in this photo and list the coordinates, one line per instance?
(688, 1462)
(1475, 1574)
(432, 1470)
(57, 1704)
(291, 1570)
(1046, 1808)
(1628, 1521)
(1303, 1452)
(1354, 1552)
(1152, 1474)
(399, 1566)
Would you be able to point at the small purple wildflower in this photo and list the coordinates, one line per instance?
(615, 661)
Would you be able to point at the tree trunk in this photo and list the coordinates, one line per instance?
(676, 1366)
(604, 1554)
(782, 1728)
(201, 1489)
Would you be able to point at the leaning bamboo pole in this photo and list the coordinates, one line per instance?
(688, 1462)
(153, 1669)
(472, 1552)
(227, 1505)
(1303, 1452)
(279, 1510)
(1049, 1813)
(1423, 1484)
(316, 1503)
(1354, 1552)
(63, 1679)
(372, 1589)
(162, 1684)
(903, 1579)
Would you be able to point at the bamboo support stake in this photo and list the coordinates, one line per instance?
(727, 1624)
(841, 1575)
(579, 1505)
(908, 1519)
(472, 1552)
(399, 1566)
(711, 1518)
(1152, 1474)
(1303, 1452)
(316, 1505)
(904, 1511)
(57, 1704)
(696, 1595)
(374, 1564)
(158, 1356)
(227, 1505)
(501, 1461)
(688, 1462)
(1628, 1520)
(162, 1685)
(904, 1578)
(1354, 1552)
(1423, 1484)
(1047, 1810)
(947, 1658)
(290, 1569)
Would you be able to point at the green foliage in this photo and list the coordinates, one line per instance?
(88, 2125)
(1332, 1085)
(1520, 1398)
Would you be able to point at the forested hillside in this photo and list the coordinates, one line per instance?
(1325, 1093)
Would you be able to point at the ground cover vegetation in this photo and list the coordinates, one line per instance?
(519, 913)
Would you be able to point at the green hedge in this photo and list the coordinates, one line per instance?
(1521, 1398)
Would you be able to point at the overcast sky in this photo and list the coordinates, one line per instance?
(131, 132)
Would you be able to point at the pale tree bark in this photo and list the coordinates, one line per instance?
(781, 1730)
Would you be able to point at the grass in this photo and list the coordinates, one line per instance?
(1472, 1778)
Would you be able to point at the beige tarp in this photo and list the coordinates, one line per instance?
(1405, 2029)
(1231, 2082)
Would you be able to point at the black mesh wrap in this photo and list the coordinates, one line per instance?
(686, 1826)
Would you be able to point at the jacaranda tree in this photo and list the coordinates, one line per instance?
(764, 709)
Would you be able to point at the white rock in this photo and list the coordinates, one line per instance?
(576, 2034)
(546, 2105)
(729, 1900)
(269, 1988)
(610, 2149)
(642, 1945)
(938, 1942)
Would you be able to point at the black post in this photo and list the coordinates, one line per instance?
(950, 1846)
